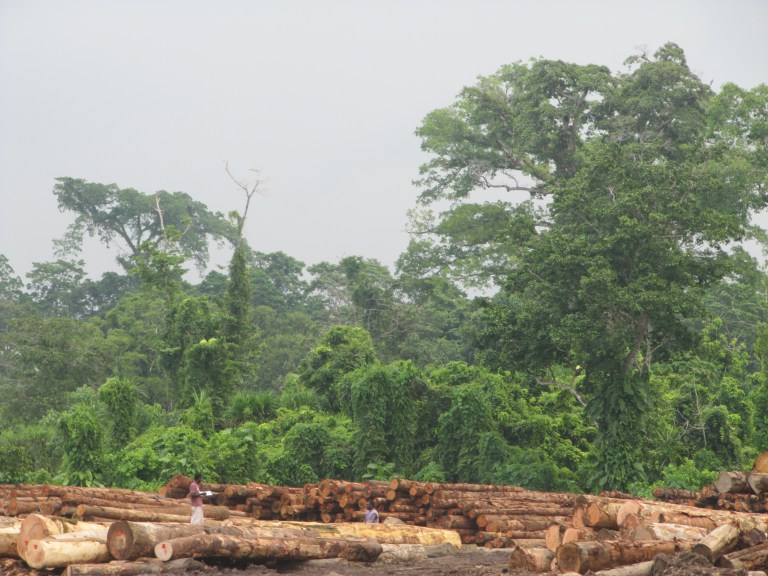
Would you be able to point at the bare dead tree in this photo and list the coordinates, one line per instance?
(250, 189)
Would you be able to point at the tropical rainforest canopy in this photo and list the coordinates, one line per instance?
(577, 310)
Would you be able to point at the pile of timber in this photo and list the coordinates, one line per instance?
(606, 533)
(125, 547)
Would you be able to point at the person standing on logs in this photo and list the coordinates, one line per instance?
(196, 499)
(372, 515)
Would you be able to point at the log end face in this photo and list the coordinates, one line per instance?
(164, 551)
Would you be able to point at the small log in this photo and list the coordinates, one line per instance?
(37, 527)
(582, 556)
(531, 559)
(719, 541)
(602, 515)
(747, 559)
(667, 532)
(553, 536)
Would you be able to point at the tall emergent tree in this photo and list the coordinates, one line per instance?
(131, 219)
(637, 183)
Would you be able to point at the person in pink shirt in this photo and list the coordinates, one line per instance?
(196, 499)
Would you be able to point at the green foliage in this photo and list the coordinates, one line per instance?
(121, 399)
(342, 350)
(251, 407)
(533, 470)
(82, 433)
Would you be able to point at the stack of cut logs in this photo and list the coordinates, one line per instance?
(55, 526)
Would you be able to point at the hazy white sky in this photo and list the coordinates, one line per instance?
(321, 96)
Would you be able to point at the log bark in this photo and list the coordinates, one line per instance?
(747, 559)
(531, 559)
(667, 532)
(64, 549)
(732, 481)
(582, 556)
(221, 546)
(719, 541)
(713, 518)
(145, 566)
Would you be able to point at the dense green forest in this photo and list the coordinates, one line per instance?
(577, 310)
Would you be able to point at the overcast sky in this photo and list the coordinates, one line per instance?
(321, 96)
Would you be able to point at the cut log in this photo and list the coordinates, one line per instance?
(630, 507)
(578, 534)
(221, 546)
(131, 540)
(602, 515)
(9, 536)
(719, 541)
(747, 559)
(64, 549)
(761, 463)
(531, 559)
(145, 566)
(758, 482)
(85, 512)
(553, 536)
(582, 556)
(37, 527)
(713, 518)
(667, 532)
(732, 481)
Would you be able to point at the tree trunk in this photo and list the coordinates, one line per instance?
(734, 481)
(747, 559)
(255, 548)
(582, 556)
(667, 532)
(721, 540)
(531, 559)
(711, 519)
(62, 550)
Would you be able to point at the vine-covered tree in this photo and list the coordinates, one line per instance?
(640, 182)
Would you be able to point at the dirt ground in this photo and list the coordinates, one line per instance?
(470, 561)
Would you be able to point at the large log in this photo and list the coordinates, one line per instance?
(128, 540)
(761, 463)
(719, 541)
(531, 559)
(255, 548)
(37, 527)
(758, 482)
(711, 519)
(747, 559)
(732, 481)
(666, 532)
(140, 568)
(62, 550)
(582, 556)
